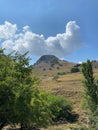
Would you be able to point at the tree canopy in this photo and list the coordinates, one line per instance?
(21, 101)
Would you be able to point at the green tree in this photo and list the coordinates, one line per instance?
(7, 96)
(90, 90)
(20, 99)
(90, 86)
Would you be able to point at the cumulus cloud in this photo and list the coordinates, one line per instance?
(25, 40)
(7, 30)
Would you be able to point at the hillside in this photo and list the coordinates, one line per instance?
(49, 65)
(69, 85)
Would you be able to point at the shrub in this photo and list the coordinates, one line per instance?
(55, 77)
(74, 70)
(50, 68)
(44, 69)
(58, 68)
(61, 73)
(60, 107)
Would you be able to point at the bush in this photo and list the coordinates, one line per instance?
(55, 77)
(74, 70)
(60, 107)
(61, 73)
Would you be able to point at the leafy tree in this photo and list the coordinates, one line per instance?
(31, 103)
(7, 95)
(20, 99)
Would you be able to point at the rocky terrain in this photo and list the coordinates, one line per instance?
(49, 65)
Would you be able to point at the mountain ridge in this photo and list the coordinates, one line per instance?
(49, 65)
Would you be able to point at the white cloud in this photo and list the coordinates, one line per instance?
(60, 45)
(7, 30)
(26, 28)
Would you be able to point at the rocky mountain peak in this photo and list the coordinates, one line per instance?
(48, 59)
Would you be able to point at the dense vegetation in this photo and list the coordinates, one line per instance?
(21, 101)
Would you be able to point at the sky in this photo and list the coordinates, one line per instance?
(67, 29)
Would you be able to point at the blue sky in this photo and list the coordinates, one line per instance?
(49, 18)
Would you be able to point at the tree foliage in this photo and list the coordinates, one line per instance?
(21, 101)
(60, 107)
(90, 86)
(90, 92)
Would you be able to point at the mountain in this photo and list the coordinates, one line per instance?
(50, 65)
(49, 59)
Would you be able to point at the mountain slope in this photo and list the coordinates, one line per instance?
(49, 65)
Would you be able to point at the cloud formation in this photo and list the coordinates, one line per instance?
(25, 40)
